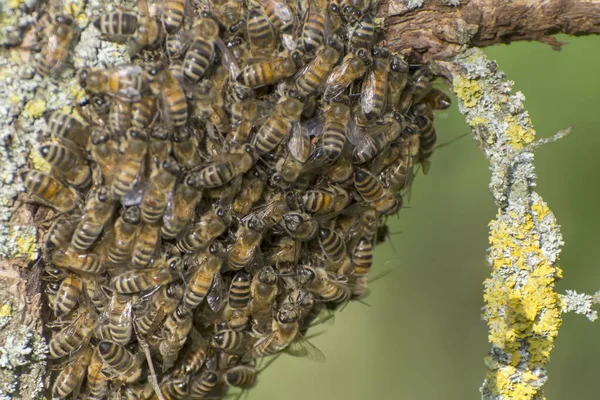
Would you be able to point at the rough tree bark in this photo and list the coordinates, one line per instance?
(522, 308)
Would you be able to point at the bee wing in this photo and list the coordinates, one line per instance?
(263, 342)
(230, 192)
(257, 262)
(367, 98)
(216, 296)
(128, 93)
(338, 80)
(290, 41)
(228, 59)
(299, 144)
(301, 347)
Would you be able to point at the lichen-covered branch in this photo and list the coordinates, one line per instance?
(441, 29)
(521, 306)
(24, 97)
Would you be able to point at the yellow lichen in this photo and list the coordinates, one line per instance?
(5, 310)
(519, 136)
(478, 120)
(35, 108)
(526, 311)
(25, 241)
(468, 91)
(38, 162)
(15, 99)
(13, 4)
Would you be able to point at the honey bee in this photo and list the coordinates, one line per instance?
(353, 66)
(66, 297)
(332, 244)
(335, 126)
(65, 127)
(370, 141)
(340, 171)
(247, 241)
(199, 236)
(172, 99)
(271, 71)
(203, 384)
(185, 149)
(279, 125)
(201, 280)
(159, 145)
(60, 233)
(437, 100)
(151, 308)
(260, 34)
(221, 172)
(335, 17)
(236, 312)
(264, 289)
(56, 51)
(369, 223)
(230, 341)
(313, 30)
(99, 210)
(398, 78)
(321, 283)
(300, 226)
(176, 46)
(245, 113)
(399, 174)
(362, 256)
(286, 250)
(173, 14)
(145, 246)
(279, 14)
(67, 163)
(250, 192)
(374, 92)
(86, 263)
(180, 210)
(105, 152)
(50, 191)
(176, 328)
(299, 151)
(427, 139)
(119, 363)
(195, 356)
(363, 34)
(70, 377)
(131, 163)
(119, 118)
(74, 336)
(202, 50)
(96, 380)
(353, 10)
(208, 106)
(123, 235)
(316, 72)
(125, 83)
(140, 27)
(241, 376)
(156, 196)
(325, 201)
(96, 294)
(173, 389)
(372, 191)
(139, 280)
(230, 14)
(143, 112)
(119, 319)
(285, 330)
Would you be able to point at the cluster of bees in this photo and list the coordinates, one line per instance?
(223, 191)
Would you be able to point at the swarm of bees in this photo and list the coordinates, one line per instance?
(223, 192)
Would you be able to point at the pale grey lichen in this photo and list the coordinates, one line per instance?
(412, 4)
(452, 3)
(579, 303)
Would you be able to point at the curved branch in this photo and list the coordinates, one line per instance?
(522, 308)
(438, 31)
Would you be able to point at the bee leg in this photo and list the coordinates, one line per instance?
(153, 378)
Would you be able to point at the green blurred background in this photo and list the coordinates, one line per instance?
(422, 336)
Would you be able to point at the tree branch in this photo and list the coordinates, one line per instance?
(521, 307)
(439, 31)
